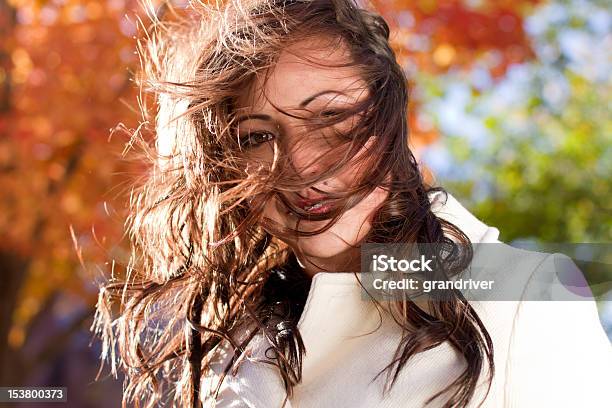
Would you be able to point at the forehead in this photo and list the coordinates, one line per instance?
(301, 72)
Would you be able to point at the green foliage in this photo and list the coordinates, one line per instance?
(532, 154)
(553, 184)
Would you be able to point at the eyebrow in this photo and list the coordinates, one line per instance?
(303, 104)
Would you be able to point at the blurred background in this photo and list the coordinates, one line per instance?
(510, 111)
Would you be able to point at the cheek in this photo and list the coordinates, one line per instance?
(356, 223)
(257, 159)
(275, 212)
(371, 203)
(358, 168)
(376, 199)
(271, 211)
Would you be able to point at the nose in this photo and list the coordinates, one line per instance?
(306, 156)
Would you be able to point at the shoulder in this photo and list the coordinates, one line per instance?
(558, 353)
(523, 275)
(508, 270)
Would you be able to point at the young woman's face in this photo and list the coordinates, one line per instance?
(293, 84)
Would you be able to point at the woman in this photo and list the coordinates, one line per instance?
(284, 148)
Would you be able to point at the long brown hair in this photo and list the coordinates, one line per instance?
(204, 260)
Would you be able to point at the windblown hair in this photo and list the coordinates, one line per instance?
(206, 267)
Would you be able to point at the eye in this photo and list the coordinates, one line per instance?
(254, 139)
(329, 112)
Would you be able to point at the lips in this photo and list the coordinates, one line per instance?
(314, 203)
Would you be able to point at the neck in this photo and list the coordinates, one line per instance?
(347, 261)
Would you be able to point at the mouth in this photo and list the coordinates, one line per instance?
(318, 205)
(318, 208)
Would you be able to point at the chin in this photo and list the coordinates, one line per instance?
(323, 246)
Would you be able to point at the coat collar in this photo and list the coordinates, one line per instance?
(452, 211)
